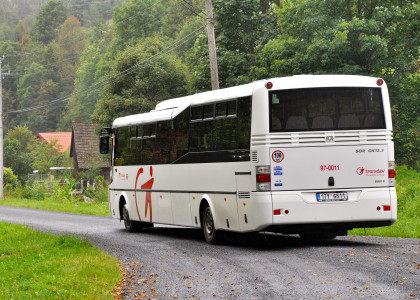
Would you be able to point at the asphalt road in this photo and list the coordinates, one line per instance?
(171, 262)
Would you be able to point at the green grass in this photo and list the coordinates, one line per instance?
(38, 265)
(99, 209)
(408, 219)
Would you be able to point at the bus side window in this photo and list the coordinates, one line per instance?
(208, 111)
(146, 130)
(221, 109)
(196, 113)
(122, 146)
(163, 143)
(231, 108)
(244, 123)
(180, 135)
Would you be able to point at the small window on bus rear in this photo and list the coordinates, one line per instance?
(324, 109)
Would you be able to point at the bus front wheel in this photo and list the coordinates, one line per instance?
(212, 235)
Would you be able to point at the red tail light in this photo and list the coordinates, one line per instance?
(387, 207)
(391, 173)
(263, 178)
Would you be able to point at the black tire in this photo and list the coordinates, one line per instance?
(211, 235)
(130, 225)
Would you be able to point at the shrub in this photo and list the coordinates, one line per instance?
(60, 193)
(35, 191)
(9, 178)
(100, 193)
(408, 191)
(10, 181)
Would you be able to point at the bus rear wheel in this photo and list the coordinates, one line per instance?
(212, 235)
(130, 225)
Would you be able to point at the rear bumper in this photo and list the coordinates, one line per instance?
(300, 210)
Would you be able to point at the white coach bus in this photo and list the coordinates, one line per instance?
(311, 155)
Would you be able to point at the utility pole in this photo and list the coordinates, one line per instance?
(1, 133)
(212, 46)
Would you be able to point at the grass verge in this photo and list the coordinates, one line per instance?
(99, 209)
(408, 197)
(38, 265)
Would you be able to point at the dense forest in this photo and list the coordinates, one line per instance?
(95, 60)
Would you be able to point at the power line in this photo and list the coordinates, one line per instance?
(119, 75)
(191, 8)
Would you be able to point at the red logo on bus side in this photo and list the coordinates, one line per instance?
(370, 172)
(277, 156)
(147, 186)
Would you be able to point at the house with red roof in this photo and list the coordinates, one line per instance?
(63, 139)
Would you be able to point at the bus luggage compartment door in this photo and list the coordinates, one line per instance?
(243, 197)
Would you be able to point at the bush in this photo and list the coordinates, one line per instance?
(9, 178)
(10, 181)
(100, 192)
(60, 193)
(35, 191)
(408, 191)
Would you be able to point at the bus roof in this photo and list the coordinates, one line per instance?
(169, 109)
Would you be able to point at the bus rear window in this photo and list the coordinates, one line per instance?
(321, 109)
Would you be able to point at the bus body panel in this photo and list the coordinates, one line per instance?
(181, 209)
(172, 200)
(187, 178)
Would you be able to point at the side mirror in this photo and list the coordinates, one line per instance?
(104, 144)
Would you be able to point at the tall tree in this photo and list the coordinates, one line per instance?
(137, 83)
(241, 28)
(364, 37)
(16, 151)
(135, 20)
(82, 104)
(69, 48)
(35, 89)
(51, 16)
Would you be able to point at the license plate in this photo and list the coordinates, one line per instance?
(336, 196)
